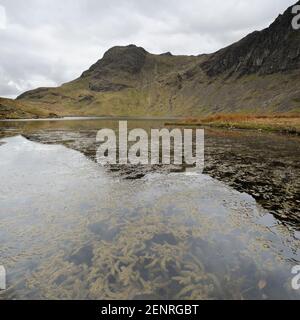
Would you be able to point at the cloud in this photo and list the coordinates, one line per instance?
(48, 42)
(2, 18)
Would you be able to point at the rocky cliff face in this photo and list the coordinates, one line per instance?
(260, 73)
(129, 59)
(117, 62)
(275, 49)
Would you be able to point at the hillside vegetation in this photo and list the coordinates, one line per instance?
(257, 75)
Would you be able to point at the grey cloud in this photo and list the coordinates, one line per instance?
(2, 17)
(48, 42)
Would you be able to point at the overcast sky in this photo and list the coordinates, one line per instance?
(48, 42)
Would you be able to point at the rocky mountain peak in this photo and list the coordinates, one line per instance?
(274, 49)
(129, 59)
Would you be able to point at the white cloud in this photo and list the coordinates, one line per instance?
(2, 18)
(52, 41)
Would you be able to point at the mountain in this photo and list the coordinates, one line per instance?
(126, 81)
(260, 73)
(273, 50)
(12, 109)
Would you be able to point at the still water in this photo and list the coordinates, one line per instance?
(70, 229)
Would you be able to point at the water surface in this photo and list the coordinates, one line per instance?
(70, 229)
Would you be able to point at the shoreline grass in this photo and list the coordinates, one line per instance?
(288, 123)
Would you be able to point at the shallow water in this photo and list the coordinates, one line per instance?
(69, 229)
(262, 164)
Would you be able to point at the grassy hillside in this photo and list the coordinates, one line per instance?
(172, 93)
(259, 74)
(12, 109)
(119, 91)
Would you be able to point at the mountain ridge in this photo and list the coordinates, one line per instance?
(268, 51)
(259, 73)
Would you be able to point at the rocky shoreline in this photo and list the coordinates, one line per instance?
(264, 165)
(259, 164)
(271, 174)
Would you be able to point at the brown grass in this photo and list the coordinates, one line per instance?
(284, 122)
(243, 117)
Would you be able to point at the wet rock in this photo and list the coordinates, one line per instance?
(164, 238)
(83, 256)
(104, 231)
